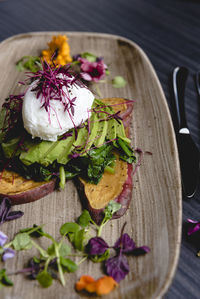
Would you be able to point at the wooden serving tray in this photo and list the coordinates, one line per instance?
(154, 217)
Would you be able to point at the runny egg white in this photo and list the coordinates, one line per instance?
(49, 125)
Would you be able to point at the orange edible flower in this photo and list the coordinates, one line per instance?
(101, 286)
(84, 280)
(59, 51)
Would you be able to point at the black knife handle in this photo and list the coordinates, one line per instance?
(197, 79)
(180, 75)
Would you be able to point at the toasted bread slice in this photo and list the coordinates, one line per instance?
(21, 190)
(117, 186)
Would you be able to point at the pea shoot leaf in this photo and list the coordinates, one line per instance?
(79, 238)
(34, 231)
(22, 241)
(4, 280)
(64, 250)
(69, 227)
(68, 265)
(45, 279)
(84, 219)
(110, 209)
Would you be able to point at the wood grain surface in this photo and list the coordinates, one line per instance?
(154, 217)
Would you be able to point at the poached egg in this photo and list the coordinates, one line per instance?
(54, 122)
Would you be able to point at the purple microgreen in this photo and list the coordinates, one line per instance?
(14, 215)
(5, 213)
(33, 268)
(138, 164)
(11, 110)
(4, 209)
(125, 244)
(96, 246)
(49, 85)
(67, 134)
(140, 250)
(117, 267)
(109, 115)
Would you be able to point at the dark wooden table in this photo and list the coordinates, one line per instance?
(169, 32)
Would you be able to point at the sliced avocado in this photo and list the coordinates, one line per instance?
(46, 152)
(101, 133)
(112, 129)
(93, 127)
(121, 132)
(10, 147)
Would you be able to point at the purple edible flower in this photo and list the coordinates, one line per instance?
(8, 254)
(117, 267)
(97, 246)
(5, 213)
(92, 71)
(195, 226)
(3, 239)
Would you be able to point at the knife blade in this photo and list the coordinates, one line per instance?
(188, 152)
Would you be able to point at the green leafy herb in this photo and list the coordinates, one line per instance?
(68, 265)
(64, 250)
(45, 279)
(69, 227)
(4, 280)
(22, 241)
(31, 63)
(35, 231)
(109, 210)
(89, 56)
(126, 152)
(100, 258)
(84, 219)
(118, 82)
(79, 238)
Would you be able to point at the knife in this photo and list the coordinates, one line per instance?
(188, 152)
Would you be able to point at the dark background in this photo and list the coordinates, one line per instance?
(169, 32)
